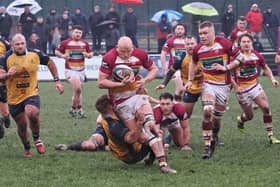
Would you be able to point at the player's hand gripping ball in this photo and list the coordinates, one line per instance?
(120, 72)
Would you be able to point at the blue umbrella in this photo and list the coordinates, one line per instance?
(170, 14)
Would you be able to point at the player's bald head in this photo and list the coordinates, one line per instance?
(18, 37)
(19, 44)
(125, 42)
(124, 47)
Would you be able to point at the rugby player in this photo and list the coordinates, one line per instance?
(173, 116)
(74, 50)
(5, 120)
(247, 87)
(174, 46)
(216, 84)
(241, 28)
(19, 68)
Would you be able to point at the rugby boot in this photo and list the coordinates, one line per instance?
(240, 125)
(81, 114)
(273, 140)
(27, 153)
(41, 149)
(61, 147)
(186, 148)
(73, 113)
(167, 169)
(208, 150)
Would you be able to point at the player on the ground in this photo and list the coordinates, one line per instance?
(173, 116)
(216, 84)
(98, 140)
(120, 139)
(19, 68)
(4, 110)
(247, 86)
(174, 46)
(74, 50)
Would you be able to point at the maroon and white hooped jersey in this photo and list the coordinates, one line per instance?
(175, 47)
(139, 58)
(178, 114)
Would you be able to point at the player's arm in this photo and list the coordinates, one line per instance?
(104, 82)
(88, 53)
(52, 67)
(269, 74)
(177, 65)
(163, 61)
(153, 71)
(277, 59)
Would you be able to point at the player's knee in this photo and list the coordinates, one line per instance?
(89, 146)
(208, 107)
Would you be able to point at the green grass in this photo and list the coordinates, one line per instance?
(245, 160)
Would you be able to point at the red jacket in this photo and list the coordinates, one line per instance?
(255, 19)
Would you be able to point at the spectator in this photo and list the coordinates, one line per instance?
(52, 19)
(228, 21)
(163, 29)
(271, 23)
(41, 29)
(80, 19)
(255, 20)
(113, 15)
(5, 23)
(95, 18)
(33, 42)
(112, 35)
(27, 19)
(52, 22)
(257, 45)
(64, 23)
(130, 25)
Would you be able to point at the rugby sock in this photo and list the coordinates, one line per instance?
(207, 134)
(162, 161)
(75, 146)
(27, 145)
(36, 136)
(7, 121)
(243, 117)
(216, 130)
(267, 119)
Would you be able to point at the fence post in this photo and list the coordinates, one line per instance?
(278, 47)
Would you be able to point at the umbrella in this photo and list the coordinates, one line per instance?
(16, 8)
(106, 22)
(170, 14)
(136, 2)
(199, 8)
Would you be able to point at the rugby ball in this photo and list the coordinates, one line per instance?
(120, 72)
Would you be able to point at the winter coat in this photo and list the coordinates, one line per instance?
(255, 20)
(270, 20)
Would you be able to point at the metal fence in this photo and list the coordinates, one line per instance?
(147, 29)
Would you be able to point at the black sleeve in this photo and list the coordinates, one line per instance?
(44, 59)
(168, 77)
